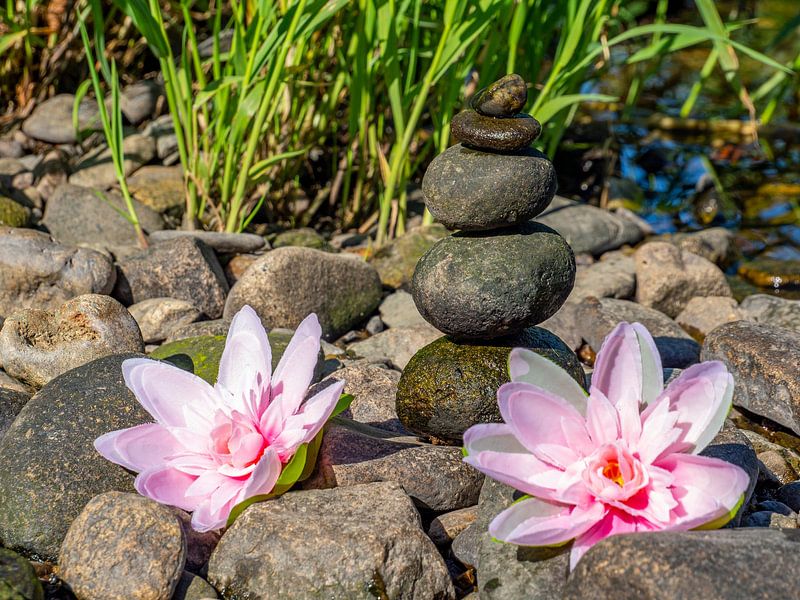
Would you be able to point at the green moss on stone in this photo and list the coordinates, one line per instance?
(13, 214)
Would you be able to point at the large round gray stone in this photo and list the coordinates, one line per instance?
(49, 468)
(479, 286)
(288, 283)
(473, 190)
(360, 542)
(51, 121)
(448, 387)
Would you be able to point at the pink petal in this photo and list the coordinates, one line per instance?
(577, 437)
(206, 484)
(602, 420)
(527, 366)
(615, 522)
(523, 472)
(246, 362)
(537, 522)
(166, 485)
(138, 448)
(263, 478)
(534, 416)
(290, 385)
(316, 411)
(495, 437)
(164, 390)
(705, 488)
(658, 432)
(702, 397)
(204, 519)
(652, 371)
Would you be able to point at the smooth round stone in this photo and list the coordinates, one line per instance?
(448, 386)
(472, 190)
(504, 98)
(499, 135)
(474, 286)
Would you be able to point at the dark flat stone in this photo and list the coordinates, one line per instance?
(498, 135)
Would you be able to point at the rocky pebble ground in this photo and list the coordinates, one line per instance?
(420, 332)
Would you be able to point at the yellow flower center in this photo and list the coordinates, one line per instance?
(611, 471)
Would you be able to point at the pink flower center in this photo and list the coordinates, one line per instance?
(613, 473)
(236, 441)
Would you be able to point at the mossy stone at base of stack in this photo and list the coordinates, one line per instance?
(449, 386)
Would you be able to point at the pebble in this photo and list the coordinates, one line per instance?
(96, 169)
(183, 268)
(382, 553)
(14, 174)
(138, 100)
(763, 361)
(159, 317)
(287, 284)
(163, 131)
(434, 476)
(494, 135)
(51, 172)
(702, 314)
(503, 98)
(471, 190)
(589, 229)
(237, 265)
(78, 215)
(714, 244)
(395, 262)
(398, 310)
(220, 242)
(614, 276)
(49, 469)
(670, 565)
(51, 121)
(562, 324)
(374, 389)
(38, 272)
(160, 188)
(201, 328)
(121, 543)
(771, 310)
(375, 325)
(668, 277)
(38, 345)
(497, 284)
(595, 319)
(448, 387)
(18, 579)
(447, 526)
(397, 345)
(304, 237)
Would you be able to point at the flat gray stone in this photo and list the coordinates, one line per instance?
(773, 311)
(77, 215)
(702, 314)
(38, 272)
(138, 100)
(482, 286)
(614, 276)
(397, 345)
(159, 317)
(51, 121)
(395, 262)
(220, 242)
(434, 476)
(96, 169)
(382, 552)
(588, 228)
(472, 190)
(398, 310)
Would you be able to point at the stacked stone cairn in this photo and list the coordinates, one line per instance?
(487, 285)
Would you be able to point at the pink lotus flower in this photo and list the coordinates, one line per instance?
(212, 448)
(623, 459)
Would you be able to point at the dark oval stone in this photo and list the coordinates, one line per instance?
(478, 286)
(489, 133)
(472, 190)
(448, 386)
(504, 98)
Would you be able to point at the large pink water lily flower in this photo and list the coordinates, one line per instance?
(213, 447)
(623, 459)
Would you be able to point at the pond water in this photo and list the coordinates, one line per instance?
(705, 171)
